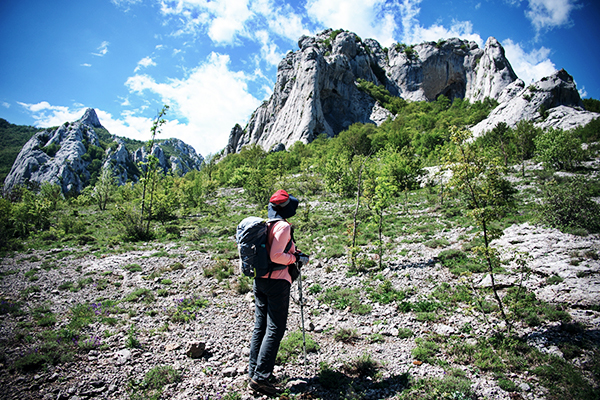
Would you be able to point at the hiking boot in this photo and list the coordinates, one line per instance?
(264, 387)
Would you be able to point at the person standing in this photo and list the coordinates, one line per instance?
(272, 293)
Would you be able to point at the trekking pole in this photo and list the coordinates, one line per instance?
(301, 309)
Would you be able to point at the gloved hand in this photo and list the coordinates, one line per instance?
(302, 258)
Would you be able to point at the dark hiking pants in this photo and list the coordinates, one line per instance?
(272, 300)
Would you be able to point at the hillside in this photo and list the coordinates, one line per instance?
(74, 155)
(12, 139)
(407, 311)
(337, 79)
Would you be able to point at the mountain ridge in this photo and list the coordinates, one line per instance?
(73, 154)
(316, 89)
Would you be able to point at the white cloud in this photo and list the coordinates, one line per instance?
(230, 17)
(86, 65)
(547, 14)
(102, 49)
(46, 115)
(144, 63)
(281, 20)
(5, 104)
(124, 3)
(414, 33)
(367, 18)
(459, 29)
(129, 126)
(268, 48)
(223, 20)
(532, 66)
(211, 98)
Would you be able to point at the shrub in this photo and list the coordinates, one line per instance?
(405, 333)
(133, 267)
(346, 335)
(361, 366)
(330, 378)
(154, 381)
(243, 285)
(315, 289)
(292, 346)
(222, 269)
(559, 149)
(425, 350)
(447, 388)
(187, 308)
(342, 298)
(385, 293)
(569, 206)
(458, 262)
(141, 294)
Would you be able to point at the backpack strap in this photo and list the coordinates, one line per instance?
(270, 224)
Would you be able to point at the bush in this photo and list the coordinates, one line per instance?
(342, 298)
(559, 149)
(459, 262)
(346, 335)
(361, 366)
(569, 206)
(292, 346)
(154, 381)
(330, 378)
(450, 387)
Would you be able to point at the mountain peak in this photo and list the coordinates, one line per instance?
(91, 118)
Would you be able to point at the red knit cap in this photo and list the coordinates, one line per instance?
(279, 198)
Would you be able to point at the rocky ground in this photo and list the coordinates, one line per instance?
(108, 368)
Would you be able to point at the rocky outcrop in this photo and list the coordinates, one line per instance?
(552, 102)
(316, 90)
(56, 156)
(72, 155)
(184, 158)
(119, 160)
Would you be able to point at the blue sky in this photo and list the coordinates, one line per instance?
(214, 62)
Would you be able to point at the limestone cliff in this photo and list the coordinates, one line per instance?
(552, 102)
(73, 154)
(316, 89)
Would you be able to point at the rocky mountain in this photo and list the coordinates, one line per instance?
(552, 102)
(73, 154)
(316, 89)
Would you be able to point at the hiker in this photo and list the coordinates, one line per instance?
(272, 293)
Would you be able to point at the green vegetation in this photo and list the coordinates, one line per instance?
(371, 210)
(151, 386)
(12, 139)
(342, 298)
(292, 346)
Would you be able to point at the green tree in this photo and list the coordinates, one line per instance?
(150, 173)
(487, 195)
(524, 137)
(559, 149)
(137, 222)
(30, 214)
(51, 192)
(392, 172)
(569, 206)
(339, 174)
(104, 188)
